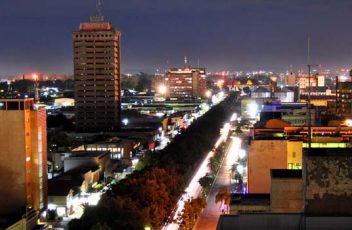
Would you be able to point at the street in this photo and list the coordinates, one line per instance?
(194, 189)
(210, 215)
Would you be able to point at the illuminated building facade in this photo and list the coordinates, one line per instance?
(344, 98)
(303, 81)
(264, 155)
(23, 156)
(97, 77)
(186, 84)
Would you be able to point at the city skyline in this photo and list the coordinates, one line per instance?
(241, 35)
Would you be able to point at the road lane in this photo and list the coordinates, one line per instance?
(209, 218)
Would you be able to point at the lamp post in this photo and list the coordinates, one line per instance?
(162, 90)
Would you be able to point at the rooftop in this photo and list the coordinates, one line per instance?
(61, 185)
(251, 199)
(329, 152)
(99, 154)
(95, 26)
(285, 173)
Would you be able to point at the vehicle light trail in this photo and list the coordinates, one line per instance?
(194, 189)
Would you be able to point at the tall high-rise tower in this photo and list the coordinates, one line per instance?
(97, 75)
(23, 156)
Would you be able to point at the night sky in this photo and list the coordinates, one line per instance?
(222, 34)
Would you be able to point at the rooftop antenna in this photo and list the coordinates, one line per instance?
(309, 97)
(98, 16)
(185, 60)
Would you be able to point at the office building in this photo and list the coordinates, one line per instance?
(23, 157)
(97, 76)
(344, 98)
(186, 84)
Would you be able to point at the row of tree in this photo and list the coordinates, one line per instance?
(214, 166)
(147, 197)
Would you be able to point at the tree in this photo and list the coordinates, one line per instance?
(128, 82)
(144, 82)
(60, 121)
(223, 197)
(206, 181)
(190, 213)
(146, 197)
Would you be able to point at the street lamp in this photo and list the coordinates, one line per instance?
(125, 121)
(348, 122)
(240, 169)
(162, 90)
(208, 93)
(242, 154)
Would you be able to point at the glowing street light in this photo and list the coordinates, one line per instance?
(35, 76)
(240, 169)
(208, 93)
(242, 154)
(125, 121)
(348, 122)
(162, 89)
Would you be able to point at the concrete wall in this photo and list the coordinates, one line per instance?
(12, 161)
(238, 208)
(282, 221)
(286, 195)
(329, 183)
(264, 155)
(259, 221)
(39, 159)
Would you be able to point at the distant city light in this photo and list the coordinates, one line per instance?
(220, 83)
(35, 76)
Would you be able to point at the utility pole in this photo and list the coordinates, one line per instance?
(309, 111)
(336, 96)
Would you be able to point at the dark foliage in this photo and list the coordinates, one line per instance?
(60, 121)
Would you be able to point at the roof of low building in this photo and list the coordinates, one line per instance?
(286, 173)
